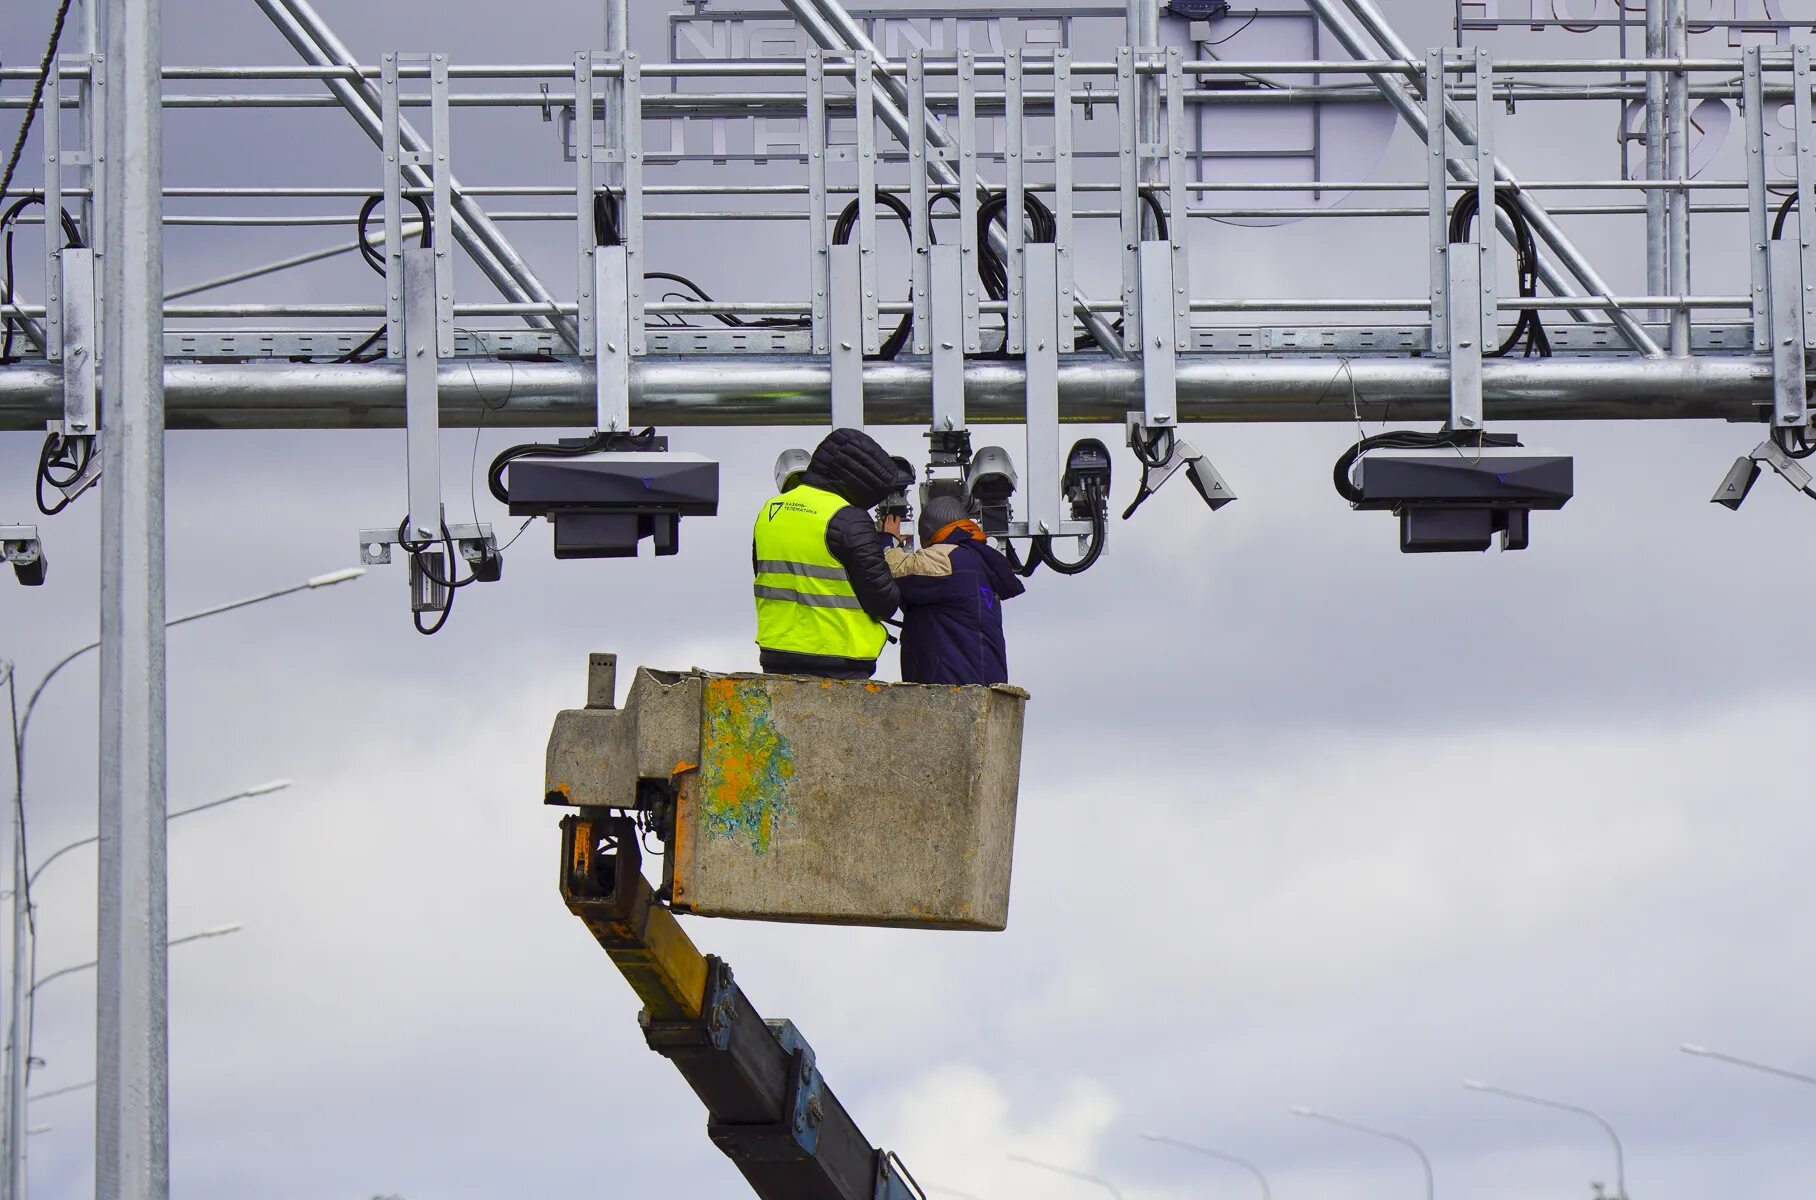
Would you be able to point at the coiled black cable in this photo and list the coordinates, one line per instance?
(841, 235)
(1409, 439)
(1529, 329)
(72, 234)
(366, 351)
(603, 440)
(61, 462)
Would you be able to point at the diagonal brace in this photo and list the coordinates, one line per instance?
(484, 241)
(828, 23)
(1332, 13)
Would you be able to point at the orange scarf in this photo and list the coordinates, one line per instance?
(969, 526)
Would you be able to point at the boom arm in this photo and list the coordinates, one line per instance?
(768, 1108)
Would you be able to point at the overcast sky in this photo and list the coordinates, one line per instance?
(1303, 821)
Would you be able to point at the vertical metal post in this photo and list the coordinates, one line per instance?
(1752, 98)
(864, 93)
(50, 126)
(422, 404)
(1129, 192)
(1143, 25)
(585, 189)
(946, 304)
(1486, 239)
(1014, 224)
(19, 1033)
(1159, 350)
(847, 333)
(817, 234)
(920, 224)
(1437, 200)
(617, 41)
(1806, 181)
(1657, 199)
(1177, 209)
(1062, 175)
(1042, 290)
(132, 1136)
(395, 156)
(1678, 141)
(1790, 406)
(630, 135)
(967, 194)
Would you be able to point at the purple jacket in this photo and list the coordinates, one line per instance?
(952, 625)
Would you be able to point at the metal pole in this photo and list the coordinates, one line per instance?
(497, 258)
(829, 24)
(611, 87)
(411, 229)
(1657, 273)
(753, 389)
(1620, 1154)
(132, 1132)
(1677, 36)
(1387, 1134)
(15, 1043)
(1105, 1184)
(1143, 33)
(1267, 1192)
(1543, 226)
(1767, 1068)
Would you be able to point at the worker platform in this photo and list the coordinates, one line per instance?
(784, 798)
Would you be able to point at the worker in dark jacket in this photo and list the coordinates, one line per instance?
(952, 592)
(823, 587)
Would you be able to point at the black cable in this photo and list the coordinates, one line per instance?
(1795, 443)
(355, 355)
(1151, 198)
(1253, 17)
(841, 235)
(992, 271)
(374, 257)
(31, 106)
(70, 456)
(603, 440)
(1529, 330)
(72, 234)
(1409, 439)
(1152, 454)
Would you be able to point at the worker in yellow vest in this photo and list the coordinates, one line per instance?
(823, 587)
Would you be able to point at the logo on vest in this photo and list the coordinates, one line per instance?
(775, 506)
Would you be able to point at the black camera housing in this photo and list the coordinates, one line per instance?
(1458, 500)
(606, 505)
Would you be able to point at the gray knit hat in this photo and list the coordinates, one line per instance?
(940, 512)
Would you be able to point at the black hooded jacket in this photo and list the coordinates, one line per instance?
(849, 463)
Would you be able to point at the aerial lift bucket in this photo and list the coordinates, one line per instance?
(784, 798)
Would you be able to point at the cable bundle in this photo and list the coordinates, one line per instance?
(1529, 329)
(1409, 439)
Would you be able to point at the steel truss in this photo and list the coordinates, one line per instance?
(596, 351)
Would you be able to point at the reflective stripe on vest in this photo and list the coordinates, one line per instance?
(805, 602)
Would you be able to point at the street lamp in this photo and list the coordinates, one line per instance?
(1105, 1184)
(1424, 1160)
(1705, 1052)
(1245, 1164)
(12, 1181)
(1620, 1155)
(78, 968)
(62, 1091)
(263, 789)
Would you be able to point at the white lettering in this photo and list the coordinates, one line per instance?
(774, 39)
(709, 40)
(780, 133)
(902, 38)
(1042, 31)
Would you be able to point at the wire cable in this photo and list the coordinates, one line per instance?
(1529, 330)
(1408, 439)
(841, 235)
(37, 97)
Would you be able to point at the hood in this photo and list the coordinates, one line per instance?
(850, 463)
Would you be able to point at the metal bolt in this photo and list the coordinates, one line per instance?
(844, 345)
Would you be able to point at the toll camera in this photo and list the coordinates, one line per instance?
(1086, 482)
(1456, 499)
(990, 483)
(20, 546)
(605, 505)
(1745, 473)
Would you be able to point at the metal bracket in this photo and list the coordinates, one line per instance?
(1464, 279)
(945, 303)
(1790, 397)
(612, 296)
(433, 161)
(81, 338)
(1041, 261)
(1159, 347)
(422, 399)
(847, 333)
(473, 544)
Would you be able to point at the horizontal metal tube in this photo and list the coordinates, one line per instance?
(726, 390)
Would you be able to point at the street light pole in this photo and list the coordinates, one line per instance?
(1245, 1164)
(1749, 1064)
(90, 965)
(263, 789)
(1620, 1155)
(1105, 1184)
(1370, 1130)
(12, 1185)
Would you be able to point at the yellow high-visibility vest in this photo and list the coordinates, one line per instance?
(805, 602)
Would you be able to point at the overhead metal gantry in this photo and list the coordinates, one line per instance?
(996, 328)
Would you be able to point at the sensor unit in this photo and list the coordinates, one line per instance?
(605, 505)
(1447, 502)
